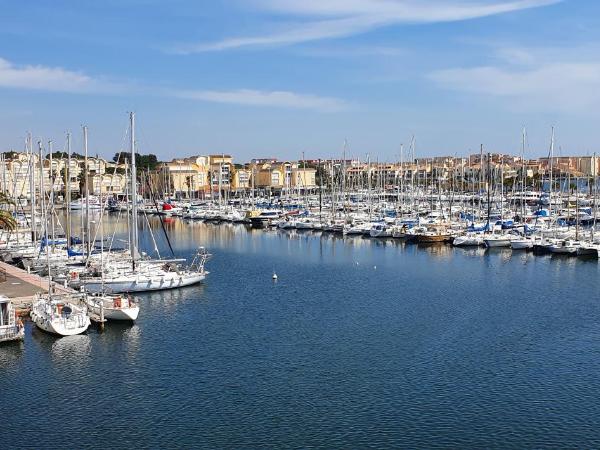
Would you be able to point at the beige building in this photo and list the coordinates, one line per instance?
(183, 177)
(304, 178)
(108, 184)
(283, 176)
(221, 171)
(241, 179)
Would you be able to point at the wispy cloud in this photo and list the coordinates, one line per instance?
(531, 80)
(341, 18)
(354, 51)
(56, 79)
(53, 79)
(279, 99)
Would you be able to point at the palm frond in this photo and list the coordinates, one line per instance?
(7, 221)
(5, 199)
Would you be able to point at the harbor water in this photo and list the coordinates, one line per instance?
(359, 343)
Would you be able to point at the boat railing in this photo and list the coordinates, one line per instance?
(9, 332)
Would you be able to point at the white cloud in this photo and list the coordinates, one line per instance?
(281, 99)
(341, 18)
(552, 86)
(44, 78)
(56, 79)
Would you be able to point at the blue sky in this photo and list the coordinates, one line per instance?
(258, 78)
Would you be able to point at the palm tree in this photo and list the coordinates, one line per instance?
(7, 221)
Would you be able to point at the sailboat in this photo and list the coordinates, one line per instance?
(59, 315)
(113, 307)
(141, 275)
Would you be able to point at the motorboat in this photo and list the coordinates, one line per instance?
(380, 230)
(565, 247)
(11, 326)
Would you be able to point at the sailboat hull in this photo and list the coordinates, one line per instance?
(59, 326)
(142, 284)
(118, 313)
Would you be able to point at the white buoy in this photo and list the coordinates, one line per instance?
(375, 267)
(274, 276)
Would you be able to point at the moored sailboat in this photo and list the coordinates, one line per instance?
(59, 314)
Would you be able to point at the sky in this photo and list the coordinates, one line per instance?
(283, 78)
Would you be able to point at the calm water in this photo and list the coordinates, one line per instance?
(360, 343)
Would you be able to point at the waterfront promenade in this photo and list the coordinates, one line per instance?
(20, 286)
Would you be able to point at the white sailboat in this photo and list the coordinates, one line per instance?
(497, 240)
(468, 240)
(113, 307)
(59, 315)
(524, 243)
(143, 275)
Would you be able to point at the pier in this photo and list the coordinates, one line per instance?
(21, 286)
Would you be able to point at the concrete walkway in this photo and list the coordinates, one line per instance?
(21, 286)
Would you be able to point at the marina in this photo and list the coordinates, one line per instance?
(393, 343)
(276, 224)
(421, 300)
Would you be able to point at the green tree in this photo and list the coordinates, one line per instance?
(143, 162)
(10, 155)
(58, 155)
(7, 221)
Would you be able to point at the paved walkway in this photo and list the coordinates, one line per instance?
(22, 286)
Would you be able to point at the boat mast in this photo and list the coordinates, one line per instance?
(401, 192)
(595, 190)
(551, 155)
(32, 187)
(523, 176)
(488, 183)
(68, 190)
(134, 231)
(51, 204)
(576, 208)
(87, 233)
(220, 181)
(343, 182)
(501, 188)
(45, 218)
(42, 199)
(320, 171)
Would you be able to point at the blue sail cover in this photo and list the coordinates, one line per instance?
(472, 227)
(45, 241)
(72, 253)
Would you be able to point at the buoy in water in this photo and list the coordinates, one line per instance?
(274, 276)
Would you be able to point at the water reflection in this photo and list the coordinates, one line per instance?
(167, 301)
(438, 250)
(471, 251)
(74, 350)
(10, 355)
(504, 254)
